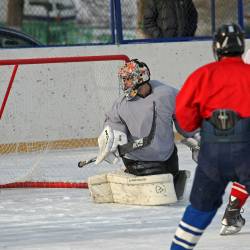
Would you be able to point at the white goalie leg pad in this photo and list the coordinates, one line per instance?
(142, 190)
(108, 142)
(99, 188)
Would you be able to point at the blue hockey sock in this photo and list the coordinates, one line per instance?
(191, 227)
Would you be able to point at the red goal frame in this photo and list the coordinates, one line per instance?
(16, 63)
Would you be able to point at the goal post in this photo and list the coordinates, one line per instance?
(52, 111)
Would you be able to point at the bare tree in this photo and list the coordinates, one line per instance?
(15, 13)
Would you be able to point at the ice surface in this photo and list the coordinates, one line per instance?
(67, 219)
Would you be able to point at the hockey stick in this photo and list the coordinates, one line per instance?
(86, 162)
(130, 146)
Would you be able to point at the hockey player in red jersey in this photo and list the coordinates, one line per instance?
(216, 98)
(232, 221)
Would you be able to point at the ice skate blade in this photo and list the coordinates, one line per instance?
(229, 230)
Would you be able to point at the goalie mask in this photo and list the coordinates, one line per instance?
(133, 75)
(228, 41)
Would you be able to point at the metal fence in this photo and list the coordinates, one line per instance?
(72, 22)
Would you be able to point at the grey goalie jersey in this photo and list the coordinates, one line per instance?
(134, 117)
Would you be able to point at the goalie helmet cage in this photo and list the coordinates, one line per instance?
(52, 110)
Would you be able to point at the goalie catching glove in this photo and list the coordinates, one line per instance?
(108, 142)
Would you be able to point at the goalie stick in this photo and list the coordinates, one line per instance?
(86, 162)
(131, 146)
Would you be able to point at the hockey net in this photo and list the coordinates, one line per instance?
(52, 111)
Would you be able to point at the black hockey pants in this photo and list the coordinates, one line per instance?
(142, 168)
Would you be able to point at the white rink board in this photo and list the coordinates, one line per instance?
(76, 110)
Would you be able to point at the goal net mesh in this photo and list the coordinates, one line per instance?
(52, 111)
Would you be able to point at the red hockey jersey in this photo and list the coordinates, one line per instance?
(223, 84)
